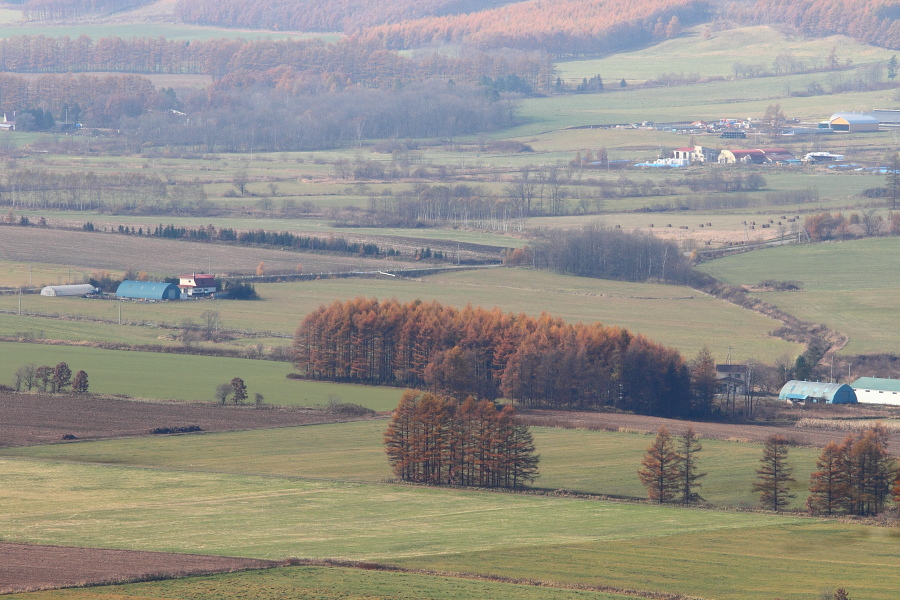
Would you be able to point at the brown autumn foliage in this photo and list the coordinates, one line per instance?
(869, 21)
(487, 353)
(854, 477)
(566, 27)
(311, 15)
(295, 65)
(440, 441)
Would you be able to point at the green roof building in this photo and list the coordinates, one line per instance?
(148, 290)
(875, 390)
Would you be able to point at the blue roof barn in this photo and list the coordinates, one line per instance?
(148, 290)
(818, 393)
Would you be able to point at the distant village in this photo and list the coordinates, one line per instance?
(840, 122)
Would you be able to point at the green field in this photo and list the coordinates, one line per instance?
(320, 583)
(590, 462)
(312, 492)
(189, 378)
(851, 286)
(671, 315)
(690, 54)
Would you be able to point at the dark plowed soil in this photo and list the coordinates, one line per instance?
(28, 568)
(29, 419)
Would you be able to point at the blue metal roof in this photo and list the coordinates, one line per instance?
(148, 290)
(830, 393)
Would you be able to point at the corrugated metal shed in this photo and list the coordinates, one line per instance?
(814, 391)
(847, 121)
(80, 289)
(148, 290)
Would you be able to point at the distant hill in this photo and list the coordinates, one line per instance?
(870, 21)
(321, 15)
(74, 9)
(562, 27)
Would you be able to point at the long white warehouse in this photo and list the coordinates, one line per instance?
(875, 390)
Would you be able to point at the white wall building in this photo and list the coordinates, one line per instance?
(875, 390)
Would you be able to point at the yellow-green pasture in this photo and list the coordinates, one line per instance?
(672, 315)
(579, 461)
(852, 287)
(268, 495)
(691, 54)
(187, 377)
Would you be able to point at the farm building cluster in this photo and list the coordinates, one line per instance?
(734, 379)
(189, 286)
(865, 390)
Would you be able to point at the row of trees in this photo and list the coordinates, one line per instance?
(486, 353)
(30, 377)
(262, 237)
(441, 441)
(854, 477)
(838, 226)
(350, 60)
(669, 470)
(115, 192)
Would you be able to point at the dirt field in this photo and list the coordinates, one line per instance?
(28, 568)
(165, 257)
(805, 436)
(27, 419)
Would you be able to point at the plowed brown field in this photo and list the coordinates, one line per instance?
(28, 419)
(161, 256)
(28, 568)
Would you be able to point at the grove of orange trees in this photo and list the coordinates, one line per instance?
(538, 362)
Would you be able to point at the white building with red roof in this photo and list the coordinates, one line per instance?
(197, 285)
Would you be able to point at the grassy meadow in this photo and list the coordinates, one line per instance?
(850, 286)
(675, 316)
(580, 461)
(716, 56)
(314, 492)
(189, 378)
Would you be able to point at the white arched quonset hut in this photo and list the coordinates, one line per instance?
(81, 289)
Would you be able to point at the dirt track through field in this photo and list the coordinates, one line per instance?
(166, 257)
(25, 567)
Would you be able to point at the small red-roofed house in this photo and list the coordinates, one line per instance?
(197, 285)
